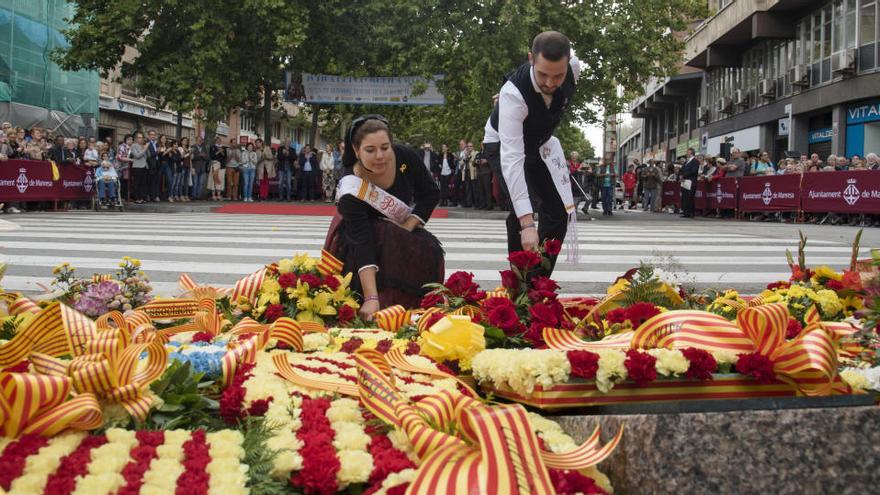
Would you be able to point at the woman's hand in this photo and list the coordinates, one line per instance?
(368, 309)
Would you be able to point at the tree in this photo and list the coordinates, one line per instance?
(209, 55)
(572, 139)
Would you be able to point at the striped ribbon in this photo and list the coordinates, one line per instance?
(840, 330)
(205, 317)
(18, 305)
(44, 333)
(468, 310)
(247, 287)
(497, 293)
(329, 264)
(397, 359)
(566, 340)
(284, 329)
(35, 404)
(393, 318)
(497, 451)
(422, 324)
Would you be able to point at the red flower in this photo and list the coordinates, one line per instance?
(475, 295)
(544, 284)
(701, 363)
(545, 314)
(640, 366)
(641, 312)
(232, 398)
(351, 345)
(287, 280)
(432, 299)
(617, 315)
(851, 280)
(504, 317)
(331, 282)
(433, 318)
(756, 365)
(202, 337)
(460, 283)
(567, 482)
(384, 345)
(273, 312)
(398, 489)
(412, 349)
(524, 259)
(584, 364)
(535, 334)
(509, 280)
(834, 285)
(552, 247)
(259, 407)
(313, 281)
(344, 314)
(778, 285)
(794, 328)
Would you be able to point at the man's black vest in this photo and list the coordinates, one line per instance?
(541, 121)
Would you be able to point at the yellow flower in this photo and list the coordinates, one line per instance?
(619, 286)
(826, 271)
(670, 362)
(304, 262)
(855, 379)
(286, 266)
(829, 302)
(301, 290)
(453, 338)
(796, 291)
(312, 308)
(342, 295)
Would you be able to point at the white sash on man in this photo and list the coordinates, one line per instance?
(381, 201)
(554, 158)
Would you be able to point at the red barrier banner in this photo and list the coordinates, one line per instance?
(856, 191)
(671, 194)
(770, 193)
(701, 199)
(25, 180)
(721, 193)
(31, 180)
(76, 183)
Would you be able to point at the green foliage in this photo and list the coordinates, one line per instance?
(408, 332)
(187, 400)
(497, 339)
(572, 139)
(646, 287)
(259, 458)
(10, 327)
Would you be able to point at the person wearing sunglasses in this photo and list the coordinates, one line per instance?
(385, 197)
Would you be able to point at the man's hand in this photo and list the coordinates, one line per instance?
(528, 233)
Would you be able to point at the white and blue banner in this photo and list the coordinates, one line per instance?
(319, 88)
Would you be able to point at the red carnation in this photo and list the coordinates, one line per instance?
(432, 299)
(344, 314)
(641, 312)
(834, 285)
(398, 489)
(202, 337)
(504, 317)
(794, 328)
(552, 247)
(331, 282)
(287, 280)
(535, 334)
(493, 302)
(778, 285)
(584, 364)
(475, 295)
(259, 407)
(617, 315)
(509, 280)
(544, 283)
(545, 314)
(351, 345)
(273, 312)
(313, 281)
(701, 363)
(756, 365)
(460, 283)
(384, 345)
(412, 349)
(567, 482)
(524, 259)
(640, 366)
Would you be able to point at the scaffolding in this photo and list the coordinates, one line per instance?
(34, 90)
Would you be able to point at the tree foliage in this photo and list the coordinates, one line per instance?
(216, 55)
(572, 139)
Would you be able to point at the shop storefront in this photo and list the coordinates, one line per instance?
(748, 140)
(820, 142)
(863, 128)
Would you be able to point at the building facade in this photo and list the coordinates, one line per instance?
(772, 75)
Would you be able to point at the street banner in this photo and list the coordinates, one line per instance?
(32, 180)
(671, 194)
(770, 193)
(721, 193)
(76, 183)
(700, 197)
(856, 191)
(321, 88)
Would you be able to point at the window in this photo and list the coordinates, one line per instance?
(247, 122)
(867, 35)
(850, 23)
(276, 129)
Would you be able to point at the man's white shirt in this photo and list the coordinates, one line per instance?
(512, 111)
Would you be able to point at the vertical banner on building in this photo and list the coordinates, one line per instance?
(321, 88)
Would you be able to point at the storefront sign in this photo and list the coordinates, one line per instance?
(782, 127)
(820, 135)
(868, 112)
(842, 192)
(744, 139)
(770, 193)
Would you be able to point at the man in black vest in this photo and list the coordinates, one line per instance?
(530, 106)
(688, 175)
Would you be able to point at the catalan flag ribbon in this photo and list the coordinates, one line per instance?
(245, 350)
(329, 264)
(495, 451)
(36, 404)
(393, 318)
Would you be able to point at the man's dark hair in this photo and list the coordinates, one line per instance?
(691, 151)
(552, 45)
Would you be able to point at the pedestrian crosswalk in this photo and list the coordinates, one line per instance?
(219, 249)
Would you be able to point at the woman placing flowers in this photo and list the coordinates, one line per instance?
(384, 199)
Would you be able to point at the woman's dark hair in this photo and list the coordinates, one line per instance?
(360, 128)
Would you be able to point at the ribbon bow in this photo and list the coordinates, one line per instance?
(495, 450)
(329, 264)
(246, 287)
(391, 319)
(245, 350)
(35, 404)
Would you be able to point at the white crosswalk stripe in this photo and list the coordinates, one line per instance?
(218, 249)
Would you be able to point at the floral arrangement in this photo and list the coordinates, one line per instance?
(126, 462)
(123, 290)
(296, 288)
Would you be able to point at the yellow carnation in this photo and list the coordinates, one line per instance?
(826, 271)
(354, 466)
(611, 369)
(855, 379)
(670, 362)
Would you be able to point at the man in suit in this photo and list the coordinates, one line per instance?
(57, 153)
(688, 175)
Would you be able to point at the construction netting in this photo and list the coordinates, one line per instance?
(34, 91)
